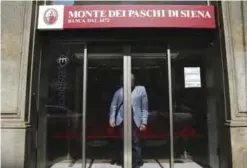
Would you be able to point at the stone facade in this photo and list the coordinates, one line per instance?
(17, 35)
(20, 48)
(235, 31)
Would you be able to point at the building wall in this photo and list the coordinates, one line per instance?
(19, 54)
(235, 31)
(16, 60)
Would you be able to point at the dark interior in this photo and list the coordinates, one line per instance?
(152, 73)
(190, 105)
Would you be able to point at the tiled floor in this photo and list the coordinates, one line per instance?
(65, 164)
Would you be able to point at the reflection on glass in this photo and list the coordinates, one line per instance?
(150, 71)
(189, 108)
(105, 67)
(150, 68)
(61, 88)
(191, 136)
(60, 101)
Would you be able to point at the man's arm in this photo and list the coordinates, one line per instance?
(144, 101)
(113, 107)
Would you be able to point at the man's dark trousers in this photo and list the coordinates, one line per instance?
(136, 148)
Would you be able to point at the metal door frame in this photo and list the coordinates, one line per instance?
(170, 106)
(84, 105)
(127, 84)
(127, 112)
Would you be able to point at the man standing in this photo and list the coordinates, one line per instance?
(139, 117)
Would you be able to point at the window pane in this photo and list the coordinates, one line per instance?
(104, 142)
(194, 109)
(149, 71)
(60, 107)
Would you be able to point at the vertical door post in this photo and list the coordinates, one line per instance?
(127, 112)
(208, 2)
(170, 107)
(84, 107)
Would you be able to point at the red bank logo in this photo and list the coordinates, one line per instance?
(50, 16)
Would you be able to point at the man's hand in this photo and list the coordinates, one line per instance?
(112, 124)
(143, 127)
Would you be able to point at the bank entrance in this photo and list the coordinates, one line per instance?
(78, 80)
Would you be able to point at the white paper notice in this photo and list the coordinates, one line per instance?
(192, 77)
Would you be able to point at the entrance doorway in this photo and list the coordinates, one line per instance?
(77, 85)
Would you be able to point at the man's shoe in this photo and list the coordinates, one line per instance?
(119, 163)
(140, 163)
(136, 166)
(113, 161)
(71, 164)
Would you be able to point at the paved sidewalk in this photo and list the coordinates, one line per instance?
(146, 165)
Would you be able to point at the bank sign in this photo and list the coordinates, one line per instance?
(59, 17)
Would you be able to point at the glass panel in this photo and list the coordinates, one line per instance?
(61, 107)
(195, 127)
(105, 68)
(176, 2)
(149, 67)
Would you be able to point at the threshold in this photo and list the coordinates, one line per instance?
(152, 163)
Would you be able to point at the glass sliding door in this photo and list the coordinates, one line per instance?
(60, 103)
(178, 107)
(151, 80)
(85, 105)
(196, 106)
(126, 105)
(104, 113)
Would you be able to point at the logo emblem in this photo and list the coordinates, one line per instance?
(63, 60)
(50, 16)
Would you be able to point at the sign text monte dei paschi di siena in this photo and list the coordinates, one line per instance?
(82, 15)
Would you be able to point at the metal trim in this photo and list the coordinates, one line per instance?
(208, 2)
(133, 55)
(127, 112)
(84, 105)
(170, 107)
